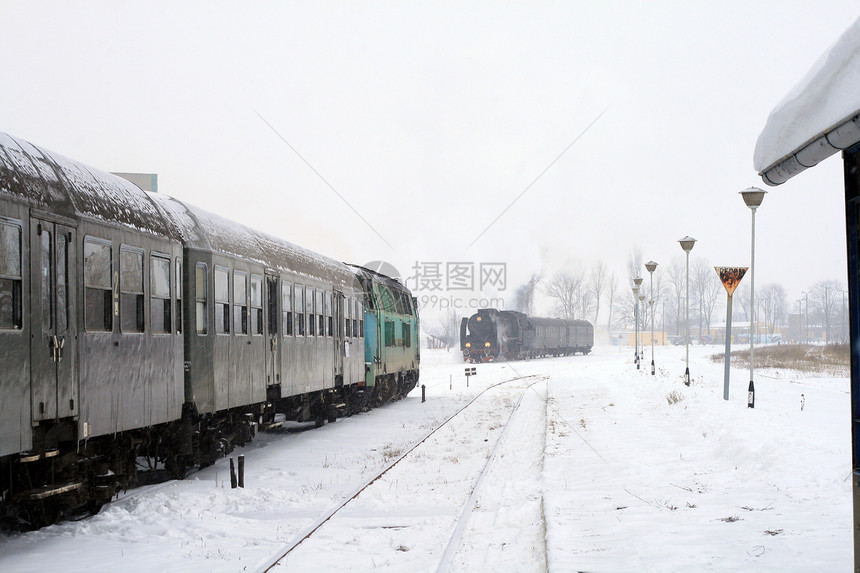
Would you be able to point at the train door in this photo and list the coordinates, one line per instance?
(273, 350)
(53, 351)
(340, 347)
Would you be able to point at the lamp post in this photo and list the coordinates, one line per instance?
(641, 350)
(636, 325)
(753, 198)
(687, 244)
(636, 322)
(651, 266)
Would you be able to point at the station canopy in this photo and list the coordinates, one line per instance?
(819, 117)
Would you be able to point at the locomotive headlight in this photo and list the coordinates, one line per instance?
(478, 319)
(468, 345)
(486, 344)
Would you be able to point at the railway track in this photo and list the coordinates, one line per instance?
(445, 499)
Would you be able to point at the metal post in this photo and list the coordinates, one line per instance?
(651, 266)
(851, 158)
(751, 391)
(730, 277)
(651, 310)
(687, 323)
(687, 244)
(728, 347)
(423, 394)
(232, 474)
(636, 320)
(637, 283)
(242, 470)
(642, 330)
(753, 198)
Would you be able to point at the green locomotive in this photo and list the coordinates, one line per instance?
(391, 343)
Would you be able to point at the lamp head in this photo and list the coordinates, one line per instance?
(753, 197)
(651, 266)
(687, 243)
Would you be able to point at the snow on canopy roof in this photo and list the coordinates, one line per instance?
(818, 117)
(52, 182)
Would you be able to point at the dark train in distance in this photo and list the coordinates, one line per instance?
(137, 331)
(491, 334)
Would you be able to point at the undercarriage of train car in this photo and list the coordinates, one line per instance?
(63, 477)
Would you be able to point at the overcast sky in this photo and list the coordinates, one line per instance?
(430, 119)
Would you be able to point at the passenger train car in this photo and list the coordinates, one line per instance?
(492, 334)
(139, 331)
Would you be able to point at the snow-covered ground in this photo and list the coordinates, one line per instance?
(601, 469)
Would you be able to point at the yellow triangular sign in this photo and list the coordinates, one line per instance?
(731, 277)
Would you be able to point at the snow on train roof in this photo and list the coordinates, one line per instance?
(818, 117)
(201, 229)
(540, 321)
(50, 181)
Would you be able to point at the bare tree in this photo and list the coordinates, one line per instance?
(634, 263)
(448, 330)
(611, 292)
(598, 280)
(677, 279)
(825, 305)
(772, 305)
(624, 310)
(571, 295)
(706, 285)
(742, 297)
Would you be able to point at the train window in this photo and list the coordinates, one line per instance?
(222, 301)
(287, 308)
(357, 315)
(398, 303)
(97, 286)
(178, 290)
(159, 294)
(272, 297)
(10, 276)
(389, 304)
(131, 290)
(46, 271)
(407, 303)
(240, 302)
(370, 302)
(407, 334)
(309, 310)
(318, 304)
(389, 333)
(201, 298)
(347, 306)
(62, 282)
(256, 304)
(360, 307)
(329, 323)
(300, 310)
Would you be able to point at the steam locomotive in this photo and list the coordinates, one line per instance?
(491, 334)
